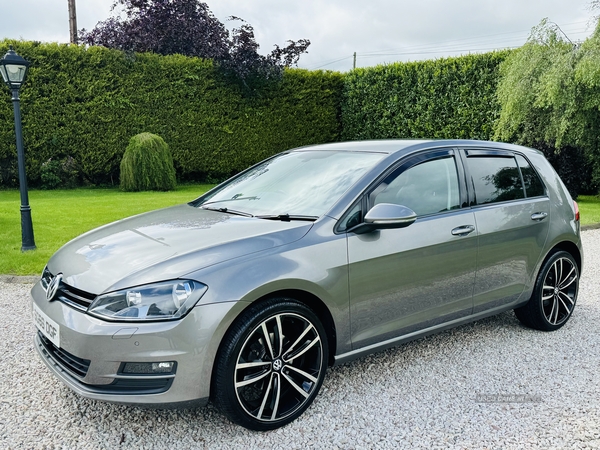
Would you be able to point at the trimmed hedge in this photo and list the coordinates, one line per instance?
(450, 98)
(83, 104)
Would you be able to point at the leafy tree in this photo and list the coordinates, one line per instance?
(189, 28)
(549, 94)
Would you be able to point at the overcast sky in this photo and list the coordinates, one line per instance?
(379, 31)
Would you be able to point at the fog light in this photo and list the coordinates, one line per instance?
(162, 367)
(149, 367)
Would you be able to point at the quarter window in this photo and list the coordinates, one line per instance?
(533, 185)
(495, 179)
(353, 218)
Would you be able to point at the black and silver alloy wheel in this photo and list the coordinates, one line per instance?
(554, 295)
(278, 367)
(275, 359)
(559, 291)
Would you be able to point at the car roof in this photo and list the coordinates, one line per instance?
(390, 146)
(379, 146)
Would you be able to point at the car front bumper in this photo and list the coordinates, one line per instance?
(92, 352)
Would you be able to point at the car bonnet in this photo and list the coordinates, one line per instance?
(179, 239)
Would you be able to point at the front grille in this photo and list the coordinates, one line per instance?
(74, 297)
(46, 278)
(134, 386)
(69, 295)
(70, 363)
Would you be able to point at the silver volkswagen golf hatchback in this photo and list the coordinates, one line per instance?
(310, 258)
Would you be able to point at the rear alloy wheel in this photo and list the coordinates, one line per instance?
(554, 295)
(271, 365)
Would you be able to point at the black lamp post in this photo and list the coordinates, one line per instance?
(13, 69)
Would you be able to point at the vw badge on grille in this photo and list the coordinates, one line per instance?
(53, 287)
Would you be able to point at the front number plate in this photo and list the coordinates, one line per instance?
(46, 325)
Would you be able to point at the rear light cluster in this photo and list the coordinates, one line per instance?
(576, 211)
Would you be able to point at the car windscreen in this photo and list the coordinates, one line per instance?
(297, 184)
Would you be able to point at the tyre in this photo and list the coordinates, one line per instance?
(554, 295)
(270, 365)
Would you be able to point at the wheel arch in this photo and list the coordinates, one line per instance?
(569, 247)
(304, 297)
(320, 309)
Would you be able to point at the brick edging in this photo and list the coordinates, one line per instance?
(593, 226)
(28, 279)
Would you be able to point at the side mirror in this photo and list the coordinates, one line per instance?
(386, 215)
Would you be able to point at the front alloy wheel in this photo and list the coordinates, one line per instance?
(554, 295)
(271, 365)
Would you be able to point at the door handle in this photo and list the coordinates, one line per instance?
(539, 216)
(463, 231)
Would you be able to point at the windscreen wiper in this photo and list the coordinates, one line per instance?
(228, 211)
(253, 197)
(287, 217)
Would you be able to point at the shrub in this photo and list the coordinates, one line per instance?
(60, 173)
(147, 165)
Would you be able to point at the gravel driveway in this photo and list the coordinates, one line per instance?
(490, 384)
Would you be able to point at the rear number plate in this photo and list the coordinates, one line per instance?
(46, 325)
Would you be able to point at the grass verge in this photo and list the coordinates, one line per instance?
(59, 216)
(589, 209)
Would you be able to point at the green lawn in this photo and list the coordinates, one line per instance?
(589, 209)
(59, 216)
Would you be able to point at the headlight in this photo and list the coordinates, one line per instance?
(159, 301)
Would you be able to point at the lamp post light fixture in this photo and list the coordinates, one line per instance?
(14, 69)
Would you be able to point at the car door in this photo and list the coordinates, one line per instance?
(407, 279)
(512, 213)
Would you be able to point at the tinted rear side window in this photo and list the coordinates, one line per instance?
(533, 185)
(495, 179)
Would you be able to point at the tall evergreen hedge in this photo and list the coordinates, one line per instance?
(450, 98)
(83, 104)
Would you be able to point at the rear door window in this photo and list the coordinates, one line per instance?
(495, 179)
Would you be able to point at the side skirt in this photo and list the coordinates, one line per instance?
(354, 354)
